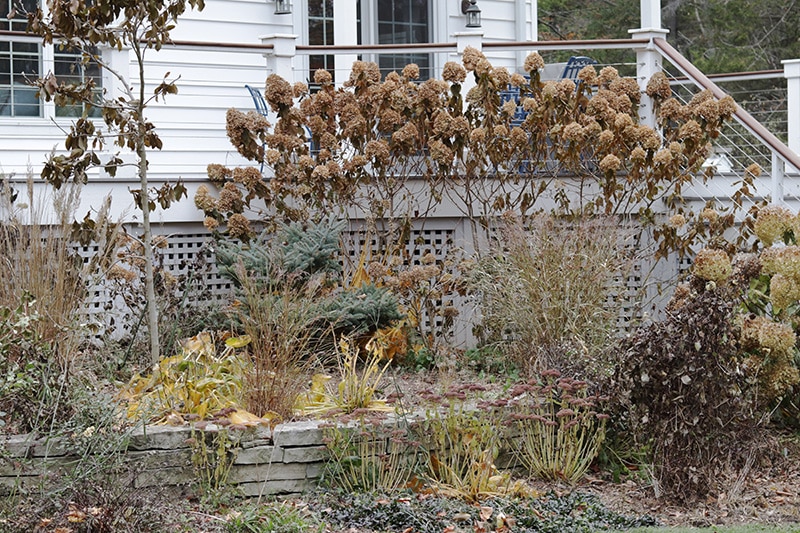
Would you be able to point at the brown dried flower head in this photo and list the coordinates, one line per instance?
(278, 92)
(533, 62)
(610, 163)
(411, 71)
(453, 72)
(218, 173)
(203, 199)
(677, 221)
(470, 57)
(230, 199)
(658, 86)
(322, 77)
(239, 227)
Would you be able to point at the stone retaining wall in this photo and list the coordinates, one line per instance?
(287, 459)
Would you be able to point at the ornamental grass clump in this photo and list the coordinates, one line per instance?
(560, 429)
(550, 285)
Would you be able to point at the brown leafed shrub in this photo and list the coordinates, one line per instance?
(686, 394)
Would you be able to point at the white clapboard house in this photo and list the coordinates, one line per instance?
(234, 43)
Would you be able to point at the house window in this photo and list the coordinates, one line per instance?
(401, 22)
(70, 68)
(22, 61)
(320, 31)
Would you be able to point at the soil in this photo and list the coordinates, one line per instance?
(765, 494)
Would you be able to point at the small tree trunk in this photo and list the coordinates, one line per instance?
(149, 274)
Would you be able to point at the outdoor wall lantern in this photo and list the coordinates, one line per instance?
(473, 13)
(283, 7)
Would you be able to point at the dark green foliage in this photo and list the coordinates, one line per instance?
(312, 249)
(574, 512)
(362, 310)
(306, 257)
(296, 249)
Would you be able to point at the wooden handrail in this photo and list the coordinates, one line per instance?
(743, 117)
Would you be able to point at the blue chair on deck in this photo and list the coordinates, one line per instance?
(574, 65)
(261, 107)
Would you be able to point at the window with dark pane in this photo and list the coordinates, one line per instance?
(20, 64)
(320, 32)
(72, 67)
(404, 22)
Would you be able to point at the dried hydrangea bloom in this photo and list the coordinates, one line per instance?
(483, 67)
(529, 105)
(677, 221)
(411, 71)
(753, 170)
(775, 336)
(788, 261)
(500, 76)
(322, 77)
(278, 92)
(610, 163)
(442, 123)
(478, 135)
(550, 90)
(622, 121)
(727, 106)
(626, 86)
(649, 138)
(440, 152)
(573, 132)
(306, 162)
(658, 86)
(518, 80)
(299, 89)
(709, 215)
(709, 110)
(712, 265)
(272, 157)
(509, 108)
(475, 95)
(779, 380)
(470, 57)
(606, 137)
(783, 291)
(320, 172)
(230, 199)
(533, 62)
(218, 173)
(453, 72)
(771, 223)
(239, 226)
(433, 91)
(377, 150)
(500, 131)
(247, 176)
(588, 75)
(672, 109)
(699, 98)
(607, 75)
(407, 134)
(638, 155)
(203, 199)
(662, 157)
(328, 142)
(676, 148)
(518, 136)
(691, 130)
(210, 223)
(460, 126)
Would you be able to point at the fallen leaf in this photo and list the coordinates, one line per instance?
(486, 512)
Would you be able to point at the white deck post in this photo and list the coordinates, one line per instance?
(791, 71)
(648, 60)
(280, 60)
(345, 22)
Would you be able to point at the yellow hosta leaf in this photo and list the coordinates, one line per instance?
(200, 344)
(246, 418)
(238, 342)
